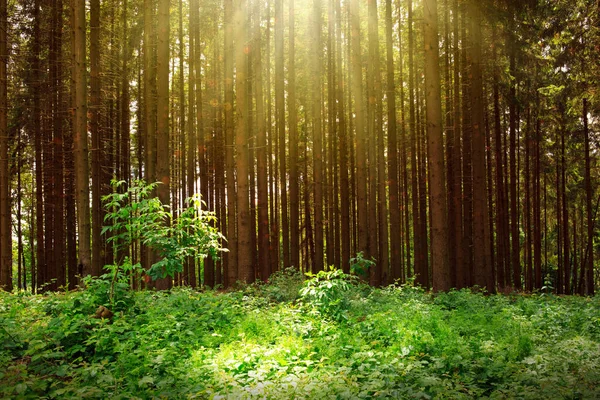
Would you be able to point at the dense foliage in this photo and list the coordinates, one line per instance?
(329, 337)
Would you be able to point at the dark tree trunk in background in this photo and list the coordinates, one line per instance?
(435, 145)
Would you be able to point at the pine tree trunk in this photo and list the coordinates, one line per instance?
(589, 259)
(261, 143)
(5, 207)
(317, 134)
(163, 153)
(80, 142)
(280, 126)
(435, 144)
(482, 271)
(361, 143)
(392, 150)
(245, 260)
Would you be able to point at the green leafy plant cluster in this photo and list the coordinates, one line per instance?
(394, 342)
(328, 292)
(133, 214)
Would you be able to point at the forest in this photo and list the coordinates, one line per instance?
(299, 199)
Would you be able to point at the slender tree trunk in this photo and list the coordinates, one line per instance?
(232, 264)
(245, 259)
(163, 152)
(80, 142)
(58, 151)
(502, 238)
(317, 134)
(94, 110)
(565, 216)
(457, 200)
(343, 150)
(190, 276)
(261, 143)
(293, 137)
(149, 103)
(418, 245)
(466, 273)
(5, 207)
(280, 126)
(392, 149)
(435, 144)
(361, 143)
(37, 132)
(514, 211)
(537, 224)
(589, 259)
(482, 271)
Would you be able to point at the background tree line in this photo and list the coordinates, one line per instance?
(452, 142)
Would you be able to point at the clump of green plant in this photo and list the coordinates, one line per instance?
(133, 214)
(283, 286)
(360, 265)
(328, 291)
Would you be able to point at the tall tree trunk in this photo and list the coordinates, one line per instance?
(232, 264)
(565, 215)
(5, 208)
(589, 259)
(245, 259)
(482, 271)
(435, 144)
(537, 232)
(293, 137)
(361, 143)
(280, 126)
(261, 143)
(163, 152)
(514, 211)
(190, 276)
(417, 245)
(149, 102)
(392, 149)
(58, 151)
(94, 109)
(80, 142)
(502, 238)
(457, 191)
(317, 133)
(343, 149)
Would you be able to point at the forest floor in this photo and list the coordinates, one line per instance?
(329, 337)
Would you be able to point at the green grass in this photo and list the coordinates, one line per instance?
(336, 338)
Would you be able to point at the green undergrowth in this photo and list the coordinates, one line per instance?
(329, 337)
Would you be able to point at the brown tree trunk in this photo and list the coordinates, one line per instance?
(416, 225)
(280, 126)
(232, 264)
(317, 134)
(361, 143)
(482, 271)
(163, 152)
(5, 207)
(514, 211)
(457, 191)
(589, 259)
(465, 274)
(392, 149)
(94, 110)
(435, 144)
(80, 141)
(245, 259)
(261, 143)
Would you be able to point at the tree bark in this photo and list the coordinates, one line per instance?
(435, 144)
(80, 141)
